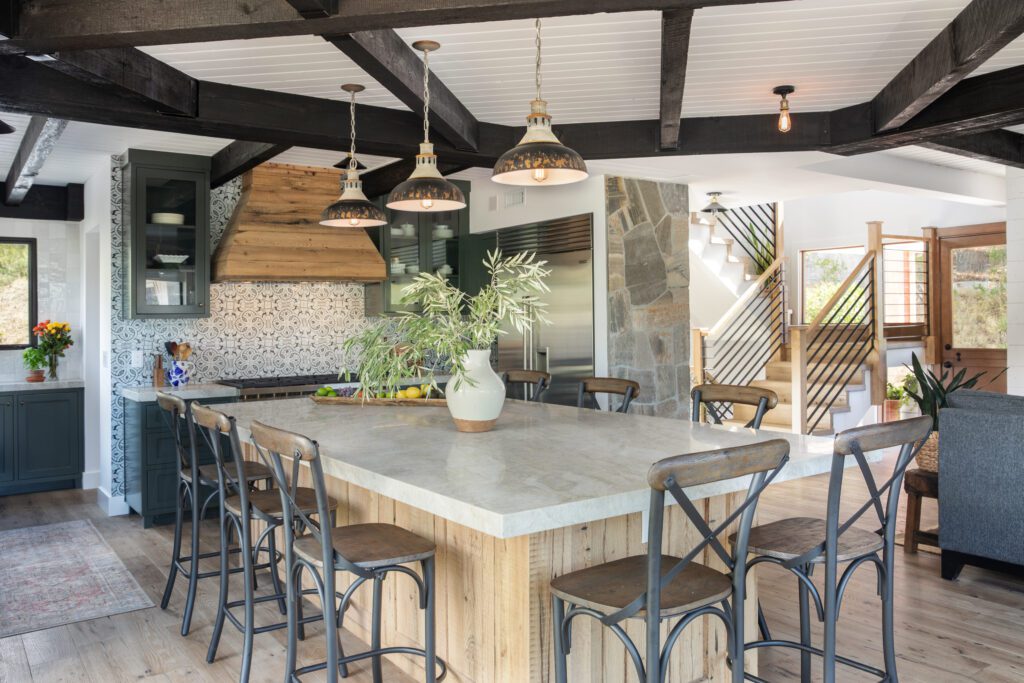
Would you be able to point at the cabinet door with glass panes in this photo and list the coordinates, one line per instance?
(168, 236)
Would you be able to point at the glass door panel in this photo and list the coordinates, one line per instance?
(171, 248)
(405, 239)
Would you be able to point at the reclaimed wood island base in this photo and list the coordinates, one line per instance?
(507, 518)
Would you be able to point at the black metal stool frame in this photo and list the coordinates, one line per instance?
(731, 614)
(538, 387)
(710, 394)
(827, 602)
(178, 413)
(325, 584)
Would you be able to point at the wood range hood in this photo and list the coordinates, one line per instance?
(275, 235)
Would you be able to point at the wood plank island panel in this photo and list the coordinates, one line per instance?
(493, 603)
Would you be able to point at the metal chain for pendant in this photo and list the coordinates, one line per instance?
(537, 76)
(352, 132)
(426, 96)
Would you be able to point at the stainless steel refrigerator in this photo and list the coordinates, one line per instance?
(565, 348)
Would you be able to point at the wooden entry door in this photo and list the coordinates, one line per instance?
(972, 287)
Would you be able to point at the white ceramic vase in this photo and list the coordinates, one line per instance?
(475, 403)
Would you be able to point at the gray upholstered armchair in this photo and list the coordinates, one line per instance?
(981, 482)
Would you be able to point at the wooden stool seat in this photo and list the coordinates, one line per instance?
(789, 538)
(611, 586)
(919, 484)
(269, 502)
(254, 471)
(368, 545)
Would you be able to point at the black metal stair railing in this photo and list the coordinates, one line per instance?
(753, 229)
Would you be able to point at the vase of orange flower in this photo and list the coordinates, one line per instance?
(54, 340)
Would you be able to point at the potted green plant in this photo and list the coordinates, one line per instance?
(908, 407)
(931, 397)
(891, 405)
(35, 362)
(456, 329)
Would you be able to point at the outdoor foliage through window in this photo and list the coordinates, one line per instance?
(824, 270)
(979, 297)
(15, 294)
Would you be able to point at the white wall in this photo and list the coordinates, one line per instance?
(1015, 278)
(544, 203)
(58, 254)
(840, 220)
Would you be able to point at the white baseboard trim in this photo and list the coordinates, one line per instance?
(91, 480)
(112, 506)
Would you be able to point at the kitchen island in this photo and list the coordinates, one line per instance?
(551, 490)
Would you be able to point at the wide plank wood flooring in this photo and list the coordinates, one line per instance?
(969, 630)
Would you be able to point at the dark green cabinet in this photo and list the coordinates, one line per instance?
(151, 460)
(417, 243)
(42, 444)
(166, 207)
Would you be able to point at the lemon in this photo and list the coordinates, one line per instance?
(412, 392)
(401, 393)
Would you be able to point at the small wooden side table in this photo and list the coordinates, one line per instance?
(919, 484)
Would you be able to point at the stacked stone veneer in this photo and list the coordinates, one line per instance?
(648, 292)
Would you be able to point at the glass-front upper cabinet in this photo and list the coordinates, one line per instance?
(167, 235)
(412, 243)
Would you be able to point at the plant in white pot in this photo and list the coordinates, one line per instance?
(456, 329)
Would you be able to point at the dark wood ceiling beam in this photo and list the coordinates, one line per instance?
(997, 146)
(386, 58)
(974, 105)
(131, 73)
(675, 47)
(381, 181)
(40, 138)
(48, 203)
(239, 157)
(48, 25)
(314, 9)
(983, 28)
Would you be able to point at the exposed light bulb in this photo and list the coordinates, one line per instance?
(540, 174)
(353, 221)
(426, 203)
(785, 123)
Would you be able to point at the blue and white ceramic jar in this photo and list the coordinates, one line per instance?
(179, 373)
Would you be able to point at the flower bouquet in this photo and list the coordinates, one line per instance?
(54, 340)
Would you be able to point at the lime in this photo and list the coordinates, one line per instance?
(323, 391)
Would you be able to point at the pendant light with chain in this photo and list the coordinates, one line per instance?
(539, 158)
(426, 190)
(352, 209)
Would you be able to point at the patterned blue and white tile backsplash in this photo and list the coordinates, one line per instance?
(254, 329)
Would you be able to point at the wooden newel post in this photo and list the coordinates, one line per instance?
(880, 366)
(697, 336)
(798, 361)
(931, 340)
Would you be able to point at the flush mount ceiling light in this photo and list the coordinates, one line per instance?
(426, 190)
(785, 122)
(352, 209)
(5, 129)
(714, 206)
(539, 158)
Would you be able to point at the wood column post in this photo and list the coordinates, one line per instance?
(798, 361)
(932, 353)
(880, 367)
(697, 336)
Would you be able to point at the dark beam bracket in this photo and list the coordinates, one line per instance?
(48, 203)
(239, 157)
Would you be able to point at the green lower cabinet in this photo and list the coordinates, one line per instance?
(42, 443)
(151, 462)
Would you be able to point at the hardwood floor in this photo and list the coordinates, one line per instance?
(969, 630)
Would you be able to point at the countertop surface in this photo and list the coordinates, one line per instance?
(188, 392)
(543, 467)
(15, 384)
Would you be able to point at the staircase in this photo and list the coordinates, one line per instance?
(716, 251)
(736, 245)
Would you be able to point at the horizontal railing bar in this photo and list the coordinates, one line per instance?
(842, 289)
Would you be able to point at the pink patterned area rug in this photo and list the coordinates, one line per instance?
(58, 574)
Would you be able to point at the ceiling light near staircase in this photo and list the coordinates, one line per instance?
(352, 209)
(785, 122)
(539, 158)
(714, 205)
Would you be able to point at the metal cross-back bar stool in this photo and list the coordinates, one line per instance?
(801, 543)
(714, 397)
(673, 587)
(370, 552)
(192, 478)
(533, 382)
(240, 507)
(591, 386)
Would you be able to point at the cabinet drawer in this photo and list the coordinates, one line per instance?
(160, 449)
(161, 490)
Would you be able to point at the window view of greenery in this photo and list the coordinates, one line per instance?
(979, 297)
(14, 295)
(824, 270)
(906, 283)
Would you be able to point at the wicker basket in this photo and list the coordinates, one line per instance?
(928, 456)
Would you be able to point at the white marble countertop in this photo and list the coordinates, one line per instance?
(15, 384)
(144, 394)
(543, 467)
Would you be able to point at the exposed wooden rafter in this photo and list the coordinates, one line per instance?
(675, 46)
(48, 25)
(997, 146)
(48, 203)
(240, 156)
(386, 58)
(40, 138)
(983, 28)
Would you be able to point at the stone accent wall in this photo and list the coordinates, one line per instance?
(649, 292)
